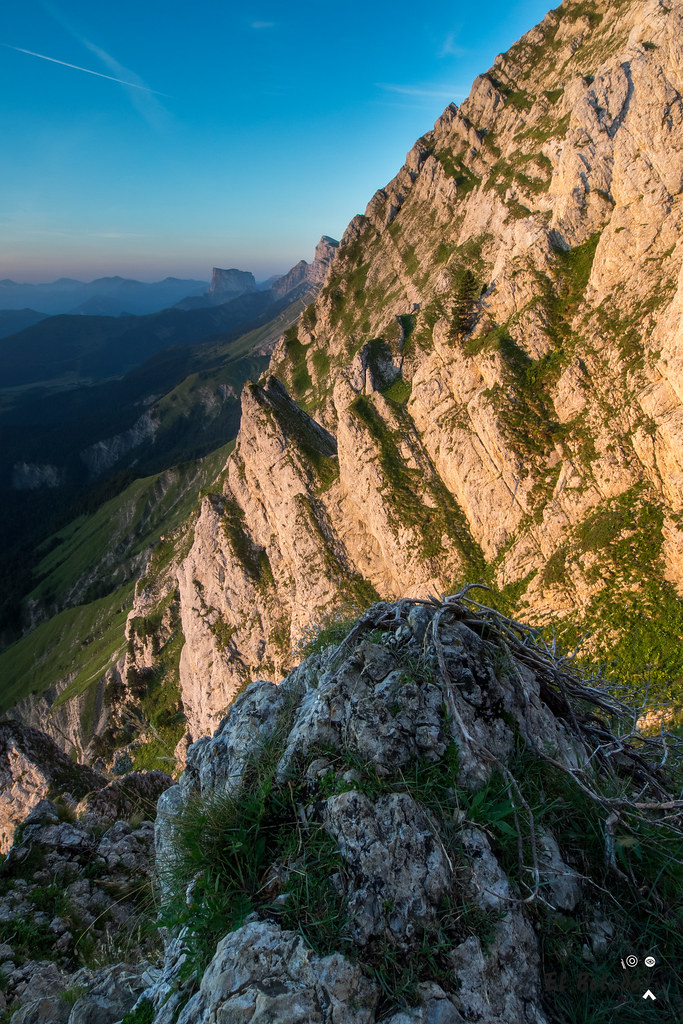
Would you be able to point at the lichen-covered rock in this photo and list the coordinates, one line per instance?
(501, 982)
(360, 844)
(381, 742)
(398, 873)
(216, 763)
(400, 810)
(264, 975)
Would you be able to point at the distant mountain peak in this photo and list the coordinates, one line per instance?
(309, 274)
(228, 284)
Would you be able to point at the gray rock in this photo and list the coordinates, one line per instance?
(435, 1008)
(46, 1010)
(216, 764)
(265, 975)
(377, 661)
(126, 850)
(44, 813)
(398, 871)
(385, 722)
(137, 792)
(43, 978)
(562, 884)
(31, 766)
(111, 993)
(500, 985)
(600, 933)
(419, 619)
(170, 805)
(65, 836)
(164, 989)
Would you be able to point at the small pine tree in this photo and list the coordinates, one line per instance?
(462, 312)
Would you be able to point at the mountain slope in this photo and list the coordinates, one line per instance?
(14, 320)
(66, 351)
(74, 589)
(496, 361)
(65, 453)
(63, 673)
(486, 389)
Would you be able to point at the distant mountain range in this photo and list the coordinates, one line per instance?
(227, 285)
(118, 296)
(67, 351)
(14, 320)
(107, 296)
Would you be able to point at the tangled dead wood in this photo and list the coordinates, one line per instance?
(623, 774)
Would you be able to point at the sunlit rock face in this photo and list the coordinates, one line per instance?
(491, 375)
(305, 276)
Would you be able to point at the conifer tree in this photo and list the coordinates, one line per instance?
(462, 313)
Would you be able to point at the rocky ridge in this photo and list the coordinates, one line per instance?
(304, 276)
(76, 892)
(400, 831)
(486, 387)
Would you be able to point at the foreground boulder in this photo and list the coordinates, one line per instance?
(405, 830)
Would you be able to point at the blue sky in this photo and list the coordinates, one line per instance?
(243, 132)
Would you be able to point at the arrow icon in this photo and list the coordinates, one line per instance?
(649, 995)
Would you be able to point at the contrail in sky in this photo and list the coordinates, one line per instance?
(76, 67)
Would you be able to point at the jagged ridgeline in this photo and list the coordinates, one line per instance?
(435, 818)
(488, 388)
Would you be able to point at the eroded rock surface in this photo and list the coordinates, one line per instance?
(382, 837)
(73, 888)
(495, 361)
(260, 974)
(360, 730)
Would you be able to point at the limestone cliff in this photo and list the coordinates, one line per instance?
(305, 276)
(491, 374)
(487, 387)
(228, 284)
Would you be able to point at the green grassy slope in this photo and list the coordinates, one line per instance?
(95, 560)
(81, 642)
(197, 409)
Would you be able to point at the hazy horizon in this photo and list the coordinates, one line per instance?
(206, 278)
(156, 144)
